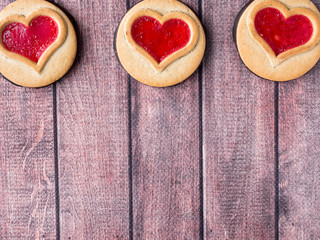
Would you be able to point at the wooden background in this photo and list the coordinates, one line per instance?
(224, 155)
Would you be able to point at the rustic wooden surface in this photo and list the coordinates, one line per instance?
(224, 155)
(238, 136)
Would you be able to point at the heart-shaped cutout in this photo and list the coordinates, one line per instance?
(283, 32)
(280, 33)
(161, 39)
(33, 39)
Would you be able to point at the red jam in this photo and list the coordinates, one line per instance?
(160, 40)
(31, 41)
(280, 33)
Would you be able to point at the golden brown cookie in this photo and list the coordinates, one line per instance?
(37, 43)
(160, 42)
(279, 39)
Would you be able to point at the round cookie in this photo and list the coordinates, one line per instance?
(38, 43)
(279, 39)
(160, 42)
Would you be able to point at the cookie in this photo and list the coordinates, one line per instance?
(279, 39)
(38, 43)
(160, 43)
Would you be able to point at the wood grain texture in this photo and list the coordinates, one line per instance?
(93, 143)
(299, 148)
(238, 131)
(27, 176)
(116, 135)
(165, 159)
(27, 180)
(299, 154)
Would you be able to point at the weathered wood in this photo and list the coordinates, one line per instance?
(238, 131)
(165, 139)
(299, 154)
(94, 146)
(27, 180)
(93, 142)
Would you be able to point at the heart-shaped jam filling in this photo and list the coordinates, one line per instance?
(160, 40)
(282, 34)
(30, 41)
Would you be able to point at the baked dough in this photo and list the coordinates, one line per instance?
(57, 58)
(174, 68)
(259, 57)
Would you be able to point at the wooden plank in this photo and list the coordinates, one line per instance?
(27, 180)
(93, 130)
(27, 176)
(299, 154)
(165, 139)
(238, 131)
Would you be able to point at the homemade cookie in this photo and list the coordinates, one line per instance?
(37, 43)
(279, 39)
(160, 42)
